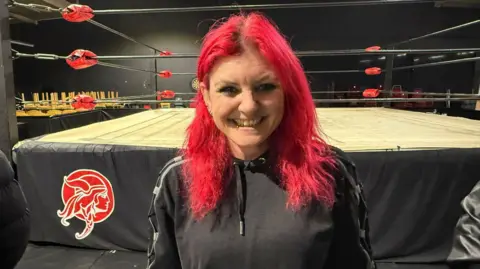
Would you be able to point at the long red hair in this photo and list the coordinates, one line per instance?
(302, 158)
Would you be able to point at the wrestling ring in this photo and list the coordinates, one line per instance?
(406, 159)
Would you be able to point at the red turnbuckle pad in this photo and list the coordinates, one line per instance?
(81, 59)
(77, 13)
(165, 53)
(165, 74)
(371, 93)
(167, 94)
(372, 71)
(373, 48)
(83, 101)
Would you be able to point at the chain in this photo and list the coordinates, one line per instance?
(36, 7)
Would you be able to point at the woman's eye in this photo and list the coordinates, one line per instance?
(228, 90)
(266, 87)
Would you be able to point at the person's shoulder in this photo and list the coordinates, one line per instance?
(6, 171)
(170, 175)
(172, 169)
(342, 157)
(173, 166)
(345, 172)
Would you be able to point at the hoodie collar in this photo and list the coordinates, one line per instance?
(256, 165)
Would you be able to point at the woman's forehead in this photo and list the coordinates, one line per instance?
(245, 66)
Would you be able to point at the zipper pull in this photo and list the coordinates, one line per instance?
(242, 227)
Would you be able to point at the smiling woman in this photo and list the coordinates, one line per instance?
(256, 186)
(246, 102)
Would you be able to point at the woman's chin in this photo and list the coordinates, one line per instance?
(248, 143)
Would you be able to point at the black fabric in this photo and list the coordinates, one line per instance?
(70, 121)
(414, 198)
(452, 112)
(61, 257)
(58, 257)
(131, 172)
(14, 217)
(270, 235)
(37, 126)
(460, 112)
(22, 130)
(466, 244)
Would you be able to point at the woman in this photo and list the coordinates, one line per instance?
(255, 186)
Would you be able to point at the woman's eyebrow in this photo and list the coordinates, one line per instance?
(262, 78)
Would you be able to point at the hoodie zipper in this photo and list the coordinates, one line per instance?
(240, 179)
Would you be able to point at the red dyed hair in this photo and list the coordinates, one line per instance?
(302, 158)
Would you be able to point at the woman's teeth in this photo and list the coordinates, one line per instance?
(247, 123)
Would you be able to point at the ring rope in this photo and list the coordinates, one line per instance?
(472, 97)
(133, 97)
(230, 7)
(81, 13)
(78, 13)
(81, 59)
(457, 27)
(317, 101)
(400, 92)
(113, 31)
(313, 53)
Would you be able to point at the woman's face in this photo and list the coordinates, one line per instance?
(246, 102)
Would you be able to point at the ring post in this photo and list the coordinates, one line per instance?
(476, 82)
(387, 84)
(8, 119)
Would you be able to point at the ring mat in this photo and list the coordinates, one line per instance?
(352, 129)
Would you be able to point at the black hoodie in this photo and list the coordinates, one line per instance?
(252, 228)
(14, 217)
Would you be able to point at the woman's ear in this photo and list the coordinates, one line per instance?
(206, 96)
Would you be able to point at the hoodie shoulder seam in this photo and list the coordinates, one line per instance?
(168, 167)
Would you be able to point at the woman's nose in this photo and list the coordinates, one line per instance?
(248, 103)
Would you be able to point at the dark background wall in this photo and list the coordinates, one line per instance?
(307, 29)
